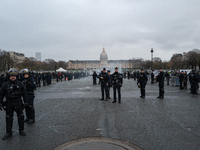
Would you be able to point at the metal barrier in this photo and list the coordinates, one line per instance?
(175, 81)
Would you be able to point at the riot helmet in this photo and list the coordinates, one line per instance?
(13, 72)
(25, 71)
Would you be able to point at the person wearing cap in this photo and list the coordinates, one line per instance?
(94, 75)
(109, 83)
(117, 81)
(13, 90)
(104, 78)
(181, 76)
(161, 80)
(142, 81)
(30, 84)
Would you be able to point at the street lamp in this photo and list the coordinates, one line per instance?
(152, 57)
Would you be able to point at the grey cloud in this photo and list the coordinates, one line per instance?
(65, 30)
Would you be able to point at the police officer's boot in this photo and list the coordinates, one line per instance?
(21, 124)
(27, 110)
(162, 94)
(143, 93)
(32, 115)
(9, 123)
(159, 94)
(22, 133)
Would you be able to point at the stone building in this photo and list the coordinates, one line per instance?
(99, 64)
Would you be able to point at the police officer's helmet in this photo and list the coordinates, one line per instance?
(13, 72)
(25, 71)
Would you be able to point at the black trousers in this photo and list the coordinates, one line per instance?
(104, 88)
(161, 90)
(117, 87)
(30, 111)
(194, 88)
(142, 88)
(181, 84)
(94, 81)
(12, 107)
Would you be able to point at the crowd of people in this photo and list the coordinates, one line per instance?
(14, 85)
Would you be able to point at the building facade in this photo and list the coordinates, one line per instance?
(99, 64)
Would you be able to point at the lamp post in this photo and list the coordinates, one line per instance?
(151, 58)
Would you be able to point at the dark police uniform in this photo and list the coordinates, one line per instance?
(30, 85)
(161, 80)
(94, 75)
(194, 81)
(142, 81)
(181, 76)
(117, 81)
(13, 91)
(104, 83)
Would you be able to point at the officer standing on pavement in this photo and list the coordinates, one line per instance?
(109, 84)
(152, 77)
(104, 78)
(30, 84)
(142, 81)
(117, 81)
(194, 81)
(167, 77)
(161, 79)
(13, 90)
(181, 76)
(94, 75)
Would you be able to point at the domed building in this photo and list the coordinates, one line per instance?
(103, 59)
(99, 64)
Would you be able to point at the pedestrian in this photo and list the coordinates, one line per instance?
(142, 81)
(117, 81)
(13, 90)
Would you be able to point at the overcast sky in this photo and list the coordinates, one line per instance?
(78, 29)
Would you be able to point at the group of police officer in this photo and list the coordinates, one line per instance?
(115, 80)
(14, 90)
(108, 80)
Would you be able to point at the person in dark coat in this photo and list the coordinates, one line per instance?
(94, 75)
(104, 83)
(142, 81)
(161, 80)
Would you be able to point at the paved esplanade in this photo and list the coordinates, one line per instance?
(67, 111)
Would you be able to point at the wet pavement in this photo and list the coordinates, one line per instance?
(68, 111)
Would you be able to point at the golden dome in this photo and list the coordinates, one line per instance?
(103, 55)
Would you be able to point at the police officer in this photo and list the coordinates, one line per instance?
(109, 84)
(117, 81)
(167, 77)
(142, 81)
(30, 84)
(152, 77)
(13, 90)
(104, 78)
(194, 81)
(161, 79)
(94, 75)
(181, 76)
